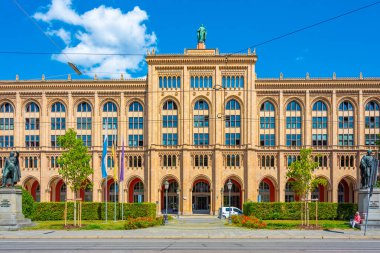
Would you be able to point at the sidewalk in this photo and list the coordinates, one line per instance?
(192, 228)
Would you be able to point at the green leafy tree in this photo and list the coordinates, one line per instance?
(74, 164)
(302, 171)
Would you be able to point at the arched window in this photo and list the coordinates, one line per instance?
(84, 123)
(170, 124)
(58, 107)
(32, 123)
(232, 123)
(201, 82)
(135, 125)
(135, 107)
(114, 192)
(84, 107)
(201, 123)
(32, 107)
(293, 124)
(6, 126)
(319, 124)
(110, 123)
(109, 107)
(267, 124)
(372, 123)
(346, 124)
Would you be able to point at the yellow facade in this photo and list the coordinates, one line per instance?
(245, 139)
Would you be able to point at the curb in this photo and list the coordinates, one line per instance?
(272, 237)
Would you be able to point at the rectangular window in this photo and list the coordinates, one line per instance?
(135, 140)
(267, 122)
(32, 141)
(58, 123)
(232, 120)
(372, 122)
(6, 141)
(346, 122)
(200, 121)
(372, 139)
(319, 123)
(201, 139)
(86, 140)
(319, 139)
(293, 122)
(232, 139)
(293, 140)
(110, 140)
(54, 141)
(135, 123)
(169, 139)
(6, 124)
(32, 124)
(346, 140)
(170, 121)
(84, 123)
(268, 140)
(110, 122)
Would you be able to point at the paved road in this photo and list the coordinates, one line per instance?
(188, 245)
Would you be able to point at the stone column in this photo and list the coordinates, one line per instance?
(70, 117)
(19, 123)
(333, 126)
(44, 123)
(307, 125)
(281, 121)
(360, 133)
(97, 124)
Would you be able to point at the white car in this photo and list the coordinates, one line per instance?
(224, 212)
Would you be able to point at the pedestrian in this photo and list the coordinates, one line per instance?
(356, 220)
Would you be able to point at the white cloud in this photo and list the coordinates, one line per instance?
(100, 30)
(299, 58)
(62, 34)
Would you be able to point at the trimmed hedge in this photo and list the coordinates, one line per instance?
(27, 203)
(92, 210)
(292, 210)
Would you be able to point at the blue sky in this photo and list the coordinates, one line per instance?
(346, 46)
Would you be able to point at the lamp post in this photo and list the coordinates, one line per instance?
(166, 184)
(229, 185)
(179, 206)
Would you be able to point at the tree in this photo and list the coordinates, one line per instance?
(74, 164)
(302, 171)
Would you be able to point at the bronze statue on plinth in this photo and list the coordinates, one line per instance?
(11, 171)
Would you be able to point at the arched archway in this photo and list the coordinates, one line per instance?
(290, 195)
(58, 190)
(172, 196)
(346, 190)
(201, 199)
(267, 191)
(136, 191)
(236, 196)
(32, 185)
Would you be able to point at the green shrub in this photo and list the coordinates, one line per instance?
(27, 203)
(45, 211)
(292, 210)
(142, 222)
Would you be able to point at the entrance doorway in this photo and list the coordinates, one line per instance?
(201, 197)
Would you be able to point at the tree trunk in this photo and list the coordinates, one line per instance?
(75, 209)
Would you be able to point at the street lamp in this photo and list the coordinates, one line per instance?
(179, 206)
(229, 185)
(166, 184)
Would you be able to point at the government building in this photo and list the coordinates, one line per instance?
(198, 120)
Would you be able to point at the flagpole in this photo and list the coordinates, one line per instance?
(106, 196)
(115, 180)
(121, 179)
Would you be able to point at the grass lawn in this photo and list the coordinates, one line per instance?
(293, 224)
(86, 225)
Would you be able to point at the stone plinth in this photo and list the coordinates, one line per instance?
(11, 217)
(374, 208)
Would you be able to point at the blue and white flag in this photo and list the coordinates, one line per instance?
(104, 157)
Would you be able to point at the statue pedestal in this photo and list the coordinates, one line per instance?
(374, 209)
(11, 217)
